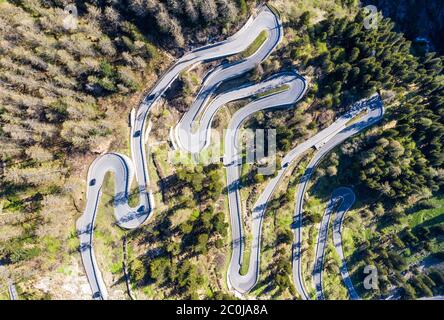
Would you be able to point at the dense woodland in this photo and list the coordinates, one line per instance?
(57, 87)
(421, 21)
(401, 162)
(205, 229)
(407, 159)
(391, 167)
(351, 63)
(59, 92)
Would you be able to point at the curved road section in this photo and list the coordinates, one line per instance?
(348, 198)
(331, 136)
(125, 169)
(233, 161)
(375, 112)
(341, 201)
(194, 141)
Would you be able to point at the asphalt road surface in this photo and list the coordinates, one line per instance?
(186, 137)
(335, 133)
(341, 201)
(125, 169)
(375, 113)
(4, 273)
(233, 162)
(347, 197)
(13, 295)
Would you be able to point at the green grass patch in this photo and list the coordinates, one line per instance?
(51, 246)
(66, 270)
(356, 118)
(273, 91)
(255, 45)
(333, 286)
(116, 267)
(246, 257)
(429, 216)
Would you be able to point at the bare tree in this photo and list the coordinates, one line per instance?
(152, 7)
(191, 11)
(138, 7)
(208, 9)
(169, 25)
(113, 19)
(227, 9)
(39, 154)
(93, 15)
(174, 6)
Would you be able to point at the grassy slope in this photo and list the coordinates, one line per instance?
(256, 44)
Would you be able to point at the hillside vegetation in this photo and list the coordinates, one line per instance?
(62, 96)
(64, 99)
(391, 166)
(417, 19)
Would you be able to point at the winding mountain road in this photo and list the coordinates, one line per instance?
(233, 163)
(191, 134)
(342, 199)
(347, 198)
(375, 112)
(326, 139)
(191, 140)
(125, 169)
